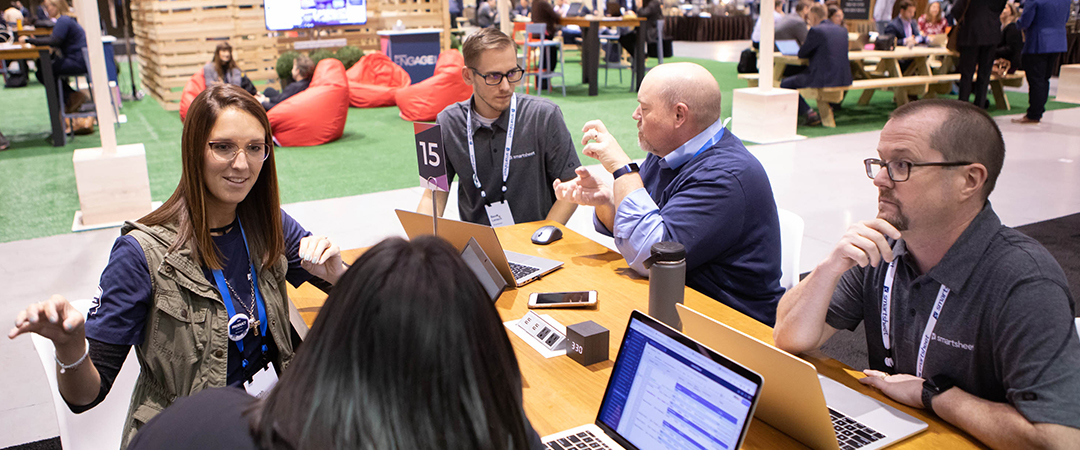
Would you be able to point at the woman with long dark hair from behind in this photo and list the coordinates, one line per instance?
(407, 352)
(197, 286)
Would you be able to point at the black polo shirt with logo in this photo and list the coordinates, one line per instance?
(542, 152)
(1005, 334)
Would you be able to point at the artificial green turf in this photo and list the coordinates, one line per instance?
(37, 183)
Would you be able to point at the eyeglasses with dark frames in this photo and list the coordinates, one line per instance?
(495, 78)
(901, 170)
(227, 151)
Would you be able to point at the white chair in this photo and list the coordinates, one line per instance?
(102, 426)
(791, 236)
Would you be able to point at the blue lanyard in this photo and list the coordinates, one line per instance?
(223, 289)
(708, 144)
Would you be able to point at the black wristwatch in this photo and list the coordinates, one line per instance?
(934, 386)
(632, 167)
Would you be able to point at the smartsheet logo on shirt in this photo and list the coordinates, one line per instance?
(954, 344)
(523, 155)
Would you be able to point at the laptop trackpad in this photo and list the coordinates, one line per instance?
(845, 399)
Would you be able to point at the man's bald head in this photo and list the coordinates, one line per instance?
(689, 84)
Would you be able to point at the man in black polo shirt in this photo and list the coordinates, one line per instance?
(516, 144)
(965, 317)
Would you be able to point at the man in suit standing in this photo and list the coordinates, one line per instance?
(826, 47)
(1043, 22)
(979, 35)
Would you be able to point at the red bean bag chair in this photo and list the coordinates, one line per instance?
(316, 115)
(195, 85)
(423, 101)
(373, 81)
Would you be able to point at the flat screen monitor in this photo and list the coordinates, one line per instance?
(290, 14)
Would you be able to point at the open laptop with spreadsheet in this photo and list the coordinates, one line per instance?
(812, 408)
(667, 391)
(516, 268)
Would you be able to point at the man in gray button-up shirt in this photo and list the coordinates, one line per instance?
(541, 152)
(964, 316)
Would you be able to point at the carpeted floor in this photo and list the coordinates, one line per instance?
(1061, 236)
(37, 182)
(44, 444)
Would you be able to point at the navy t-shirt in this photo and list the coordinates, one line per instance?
(125, 293)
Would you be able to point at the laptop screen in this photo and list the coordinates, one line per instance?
(666, 391)
(484, 270)
(789, 47)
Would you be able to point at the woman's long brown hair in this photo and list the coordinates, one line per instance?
(259, 212)
(221, 66)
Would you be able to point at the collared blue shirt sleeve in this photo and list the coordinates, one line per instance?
(638, 225)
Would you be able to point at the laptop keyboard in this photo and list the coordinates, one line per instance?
(851, 434)
(521, 270)
(582, 440)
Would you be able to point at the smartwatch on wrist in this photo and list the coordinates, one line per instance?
(632, 167)
(934, 386)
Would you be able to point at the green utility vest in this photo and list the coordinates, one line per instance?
(185, 340)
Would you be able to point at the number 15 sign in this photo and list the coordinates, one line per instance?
(430, 157)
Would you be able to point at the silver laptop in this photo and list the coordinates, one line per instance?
(812, 408)
(484, 269)
(788, 47)
(667, 391)
(516, 268)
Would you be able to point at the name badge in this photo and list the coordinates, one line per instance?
(499, 214)
(262, 382)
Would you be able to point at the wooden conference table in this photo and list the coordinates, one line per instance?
(561, 394)
(41, 53)
(590, 50)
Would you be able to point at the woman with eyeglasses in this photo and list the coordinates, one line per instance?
(407, 352)
(197, 286)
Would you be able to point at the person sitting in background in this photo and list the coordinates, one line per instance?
(933, 22)
(698, 186)
(70, 39)
(904, 27)
(13, 15)
(303, 68)
(1012, 40)
(223, 68)
(793, 25)
(778, 15)
(363, 378)
(522, 10)
(827, 49)
(204, 305)
(651, 11)
(836, 15)
(964, 317)
(485, 13)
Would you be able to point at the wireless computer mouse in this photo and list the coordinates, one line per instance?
(546, 235)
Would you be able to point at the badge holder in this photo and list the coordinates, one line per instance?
(542, 333)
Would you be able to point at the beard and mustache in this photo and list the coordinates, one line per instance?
(898, 220)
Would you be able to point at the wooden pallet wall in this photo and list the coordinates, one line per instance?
(174, 39)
